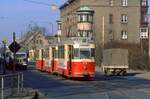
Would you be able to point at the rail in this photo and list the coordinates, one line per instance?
(11, 85)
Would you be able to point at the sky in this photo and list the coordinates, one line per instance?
(16, 15)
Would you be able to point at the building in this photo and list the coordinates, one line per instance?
(122, 22)
(34, 40)
(119, 17)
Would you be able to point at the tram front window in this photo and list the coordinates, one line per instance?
(92, 52)
(85, 53)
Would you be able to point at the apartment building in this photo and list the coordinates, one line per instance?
(122, 21)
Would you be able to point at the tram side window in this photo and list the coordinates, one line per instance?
(46, 53)
(71, 52)
(58, 51)
(53, 52)
(76, 53)
(42, 54)
(36, 54)
(61, 52)
(56, 54)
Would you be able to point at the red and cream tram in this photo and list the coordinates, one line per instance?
(39, 59)
(71, 58)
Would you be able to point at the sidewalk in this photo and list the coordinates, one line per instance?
(28, 93)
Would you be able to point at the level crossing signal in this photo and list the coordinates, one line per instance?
(14, 47)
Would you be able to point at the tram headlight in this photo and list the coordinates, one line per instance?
(85, 67)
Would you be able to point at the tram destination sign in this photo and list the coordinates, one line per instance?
(14, 47)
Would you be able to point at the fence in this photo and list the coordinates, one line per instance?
(11, 85)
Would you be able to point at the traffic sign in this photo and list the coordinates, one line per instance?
(14, 47)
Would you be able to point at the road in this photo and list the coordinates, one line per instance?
(103, 87)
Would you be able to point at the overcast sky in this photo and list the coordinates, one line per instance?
(16, 15)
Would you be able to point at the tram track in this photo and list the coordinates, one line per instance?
(102, 86)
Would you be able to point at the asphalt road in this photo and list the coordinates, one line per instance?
(103, 87)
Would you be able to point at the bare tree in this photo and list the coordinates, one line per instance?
(36, 28)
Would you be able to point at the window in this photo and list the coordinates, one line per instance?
(90, 18)
(37, 41)
(42, 53)
(111, 35)
(60, 51)
(143, 29)
(144, 3)
(46, 53)
(59, 26)
(124, 2)
(144, 33)
(40, 41)
(79, 18)
(36, 54)
(144, 18)
(110, 18)
(111, 2)
(124, 18)
(124, 35)
(84, 33)
(82, 18)
(85, 18)
(55, 52)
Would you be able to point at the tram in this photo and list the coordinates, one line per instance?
(73, 57)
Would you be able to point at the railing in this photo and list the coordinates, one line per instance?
(11, 85)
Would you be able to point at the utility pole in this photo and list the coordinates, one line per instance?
(14, 54)
(149, 43)
(103, 32)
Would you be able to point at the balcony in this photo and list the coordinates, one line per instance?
(144, 23)
(144, 20)
(144, 9)
(144, 5)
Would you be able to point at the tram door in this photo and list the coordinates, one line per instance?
(70, 57)
(42, 56)
(53, 57)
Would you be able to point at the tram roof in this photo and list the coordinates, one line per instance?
(69, 41)
(74, 40)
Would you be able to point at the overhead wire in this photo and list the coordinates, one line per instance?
(37, 2)
(53, 6)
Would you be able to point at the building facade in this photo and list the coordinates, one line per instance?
(32, 41)
(123, 21)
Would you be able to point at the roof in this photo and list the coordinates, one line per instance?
(84, 8)
(66, 4)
